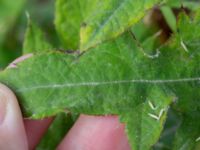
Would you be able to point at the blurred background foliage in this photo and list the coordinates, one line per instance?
(13, 22)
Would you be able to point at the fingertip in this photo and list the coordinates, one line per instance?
(35, 129)
(96, 133)
(12, 132)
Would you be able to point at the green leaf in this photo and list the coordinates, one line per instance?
(9, 12)
(188, 97)
(142, 31)
(69, 16)
(84, 24)
(169, 17)
(167, 137)
(188, 135)
(118, 78)
(192, 5)
(90, 89)
(35, 40)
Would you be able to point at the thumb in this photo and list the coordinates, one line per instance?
(12, 132)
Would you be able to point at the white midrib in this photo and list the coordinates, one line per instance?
(96, 83)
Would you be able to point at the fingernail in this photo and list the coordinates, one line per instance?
(3, 106)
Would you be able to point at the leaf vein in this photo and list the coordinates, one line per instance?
(142, 81)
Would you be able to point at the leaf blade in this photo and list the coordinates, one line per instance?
(97, 21)
(35, 40)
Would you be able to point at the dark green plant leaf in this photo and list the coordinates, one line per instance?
(85, 23)
(143, 31)
(9, 12)
(188, 97)
(169, 17)
(118, 78)
(167, 137)
(90, 89)
(35, 40)
(191, 4)
(188, 137)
